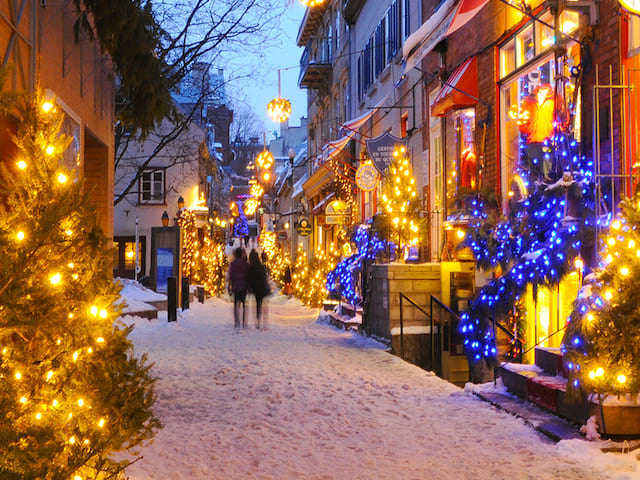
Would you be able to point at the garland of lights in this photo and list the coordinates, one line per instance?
(277, 260)
(342, 280)
(536, 245)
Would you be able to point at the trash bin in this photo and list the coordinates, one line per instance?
(200, 292)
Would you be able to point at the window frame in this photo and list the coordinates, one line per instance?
(141, 180)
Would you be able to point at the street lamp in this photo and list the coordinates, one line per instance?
(165, 219)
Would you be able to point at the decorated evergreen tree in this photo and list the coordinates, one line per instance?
(602, 341)
(300, 272)
(549, 224)
(71, 390)
(401, 202)
(342, 280)
(214, 266)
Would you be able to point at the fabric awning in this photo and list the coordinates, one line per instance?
(460, 90)
(450, 17)
(331, 149)
(352, 126)
(466, 11)
(423, 40)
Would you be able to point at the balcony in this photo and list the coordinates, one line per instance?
(315, 64)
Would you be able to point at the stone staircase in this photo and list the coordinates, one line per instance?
(545, 384)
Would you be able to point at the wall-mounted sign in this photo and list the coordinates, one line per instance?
(632, 5)
(380, 150)
(367, 177)
(303, 227)
(336, 212)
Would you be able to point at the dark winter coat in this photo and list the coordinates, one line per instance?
(258, 282)
(238, 272)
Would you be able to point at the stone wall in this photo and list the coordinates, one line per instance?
(418, 282)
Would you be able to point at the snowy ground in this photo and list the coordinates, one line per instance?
(303, 400)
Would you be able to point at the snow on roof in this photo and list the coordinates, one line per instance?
(297, 187)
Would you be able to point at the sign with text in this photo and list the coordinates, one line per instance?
(303, 227)
(367, 177)
(336, 212)
(380, 150)
(164, 268)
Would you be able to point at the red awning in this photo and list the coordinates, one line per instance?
(466, 11)
(465, 94)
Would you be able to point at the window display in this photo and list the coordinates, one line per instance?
(461, 158)
(532, 105)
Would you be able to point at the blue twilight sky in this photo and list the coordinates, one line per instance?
(283, 55)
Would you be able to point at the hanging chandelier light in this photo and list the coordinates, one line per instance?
(256, 190)
(311, 3)
(279, 109)
(250, 206)
(265, 159)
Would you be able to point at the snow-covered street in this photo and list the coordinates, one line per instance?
(305, 400)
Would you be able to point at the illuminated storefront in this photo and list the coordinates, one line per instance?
(538, 95)
(534, 86)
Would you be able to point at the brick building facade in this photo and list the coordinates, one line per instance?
(37, 44)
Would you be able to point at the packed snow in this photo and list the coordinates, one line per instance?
(135, 296)
(304, 400)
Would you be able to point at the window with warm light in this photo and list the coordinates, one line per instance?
(460, 173)
(634, 35)
(528, 97)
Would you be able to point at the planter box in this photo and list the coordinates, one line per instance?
(616, 419)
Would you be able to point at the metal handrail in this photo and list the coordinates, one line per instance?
(412, 302)
(513, 337)
(545, 339)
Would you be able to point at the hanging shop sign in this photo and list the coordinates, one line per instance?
(367, 177)
(380, 150)
(336, 212)
(631, 5)
(303, 227)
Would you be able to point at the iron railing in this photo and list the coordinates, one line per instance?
(443, 324)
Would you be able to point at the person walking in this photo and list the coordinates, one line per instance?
(237, 280)
(258, 284)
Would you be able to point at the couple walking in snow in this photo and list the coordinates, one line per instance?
(243, 277)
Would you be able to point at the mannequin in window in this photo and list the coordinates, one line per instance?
(535, 122)
(468, 168)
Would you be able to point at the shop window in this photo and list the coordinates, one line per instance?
(534, 39)
(525, 48)
(634, 35)
(460, 158)
(125, 256)
(527, 105)
(152, 186)
(508, 58)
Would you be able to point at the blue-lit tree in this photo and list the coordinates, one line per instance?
(241, 226)
(343, 279)
(549, 222)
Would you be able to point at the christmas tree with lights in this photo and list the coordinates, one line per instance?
(343, 279)
(400, 202)
(71, 390)
(548, 225)
(602, 340)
